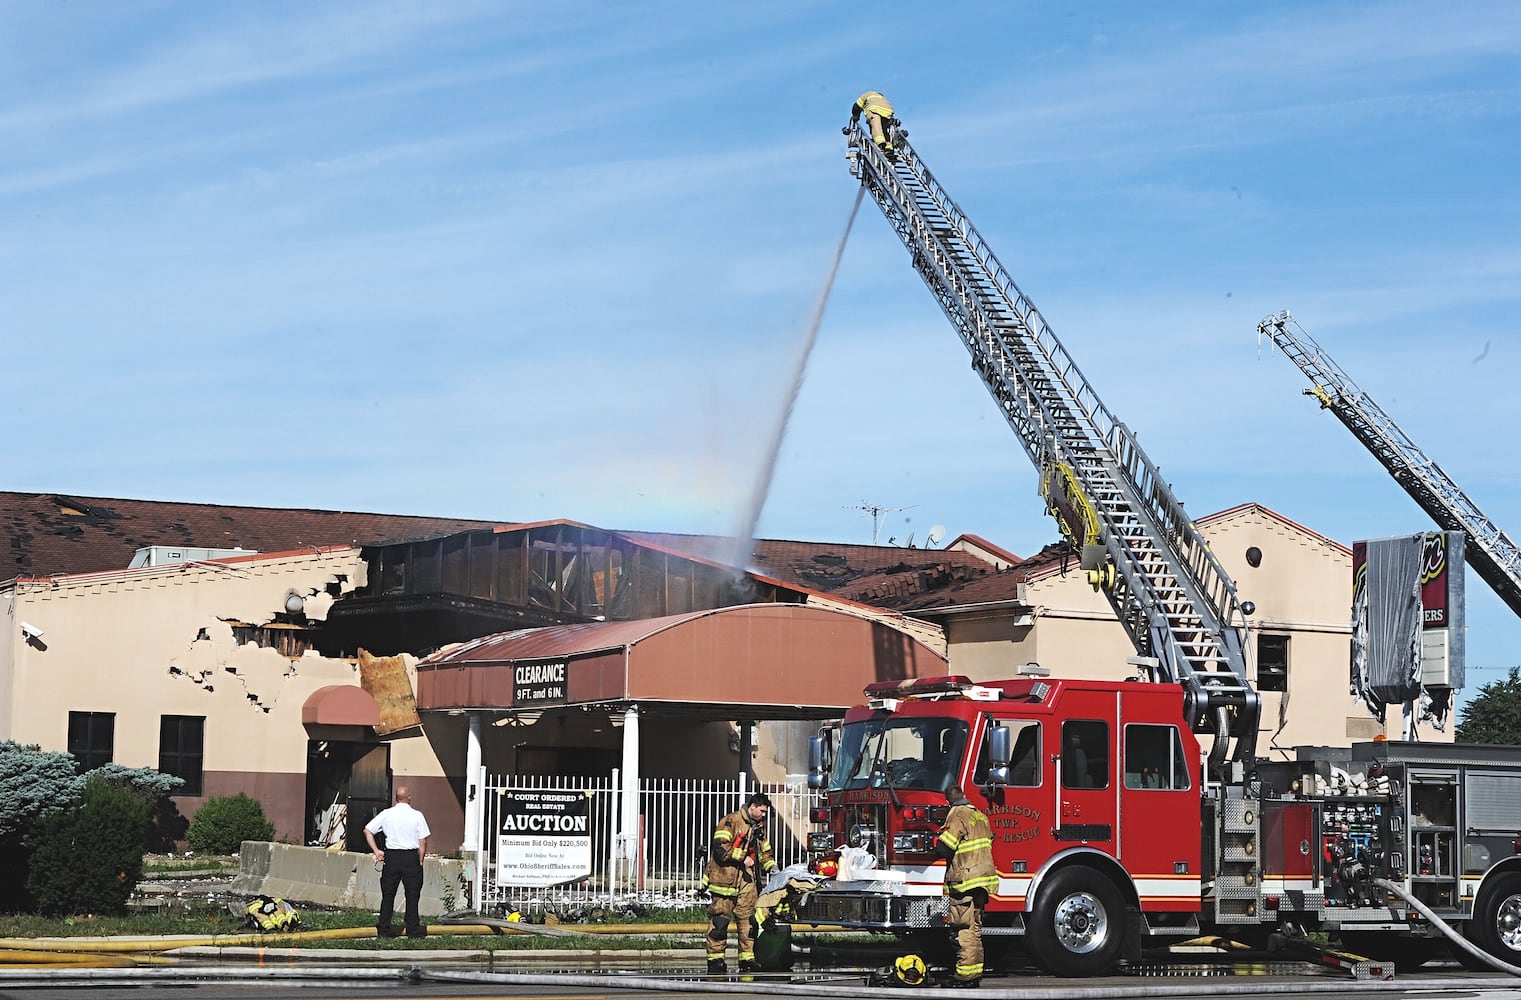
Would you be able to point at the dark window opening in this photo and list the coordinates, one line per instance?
(181, 739)
(1272, 663)
(92, 736)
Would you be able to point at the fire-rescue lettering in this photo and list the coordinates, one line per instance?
(1008, 829)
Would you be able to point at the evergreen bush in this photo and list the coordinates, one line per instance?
(89, 858)
(166, 825)
(33, 783)
(222, 824)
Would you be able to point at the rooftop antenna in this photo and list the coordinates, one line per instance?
(876, 511)
(935, 536)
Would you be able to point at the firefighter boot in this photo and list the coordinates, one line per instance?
(746, 966)
(716, 967)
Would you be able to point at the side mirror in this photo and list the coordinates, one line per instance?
(1001, 751)
(815, 762)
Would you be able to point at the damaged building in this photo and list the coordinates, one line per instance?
(313, 659)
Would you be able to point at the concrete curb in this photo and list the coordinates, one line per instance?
(342, 879)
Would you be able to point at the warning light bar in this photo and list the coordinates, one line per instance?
(955, 685)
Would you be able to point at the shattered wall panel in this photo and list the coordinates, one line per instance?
(387, 681)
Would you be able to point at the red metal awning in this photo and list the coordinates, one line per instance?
(774, 661)
(340, 705)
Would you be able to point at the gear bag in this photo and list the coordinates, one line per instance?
(270, 913)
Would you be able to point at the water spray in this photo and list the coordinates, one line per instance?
(739, 556)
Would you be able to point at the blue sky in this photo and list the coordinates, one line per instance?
(532, 260)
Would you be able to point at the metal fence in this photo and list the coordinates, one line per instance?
(661, 863)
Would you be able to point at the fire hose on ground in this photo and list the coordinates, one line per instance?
(1451, 933)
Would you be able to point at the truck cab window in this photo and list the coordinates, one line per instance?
(1024, 764)
(900, 752)
(1154, 758)
(1085, 754)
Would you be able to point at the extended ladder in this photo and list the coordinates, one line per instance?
(1489, 550)
(1174, 599)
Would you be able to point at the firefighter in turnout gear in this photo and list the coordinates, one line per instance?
(879, 111)
(966, 842)
(739, 855)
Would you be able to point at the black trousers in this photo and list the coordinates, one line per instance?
(403, 868)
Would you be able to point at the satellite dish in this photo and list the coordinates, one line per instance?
(936, 534)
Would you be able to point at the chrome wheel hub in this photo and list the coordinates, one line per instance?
(1083, 926)
(1508, 923)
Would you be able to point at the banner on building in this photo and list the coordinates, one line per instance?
(545, 837)
(1407, 622)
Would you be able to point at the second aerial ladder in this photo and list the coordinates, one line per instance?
(1489, 551)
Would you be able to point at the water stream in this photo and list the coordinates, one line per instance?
(739, 555)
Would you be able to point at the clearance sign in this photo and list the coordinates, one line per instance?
(545, 837)
(538, 684)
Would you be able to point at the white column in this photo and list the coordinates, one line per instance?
(747, 751)
(474, 793)
(629, 832)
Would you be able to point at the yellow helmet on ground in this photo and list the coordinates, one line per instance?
(909, 970)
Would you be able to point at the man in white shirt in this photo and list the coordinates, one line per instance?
(406, 843)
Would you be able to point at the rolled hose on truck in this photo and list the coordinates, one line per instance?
(1447, 930)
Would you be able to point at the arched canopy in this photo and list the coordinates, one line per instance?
(340, 705)
(762, 661)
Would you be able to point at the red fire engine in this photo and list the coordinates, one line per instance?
(1094, 788)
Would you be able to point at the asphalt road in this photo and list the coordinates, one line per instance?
(445, 984)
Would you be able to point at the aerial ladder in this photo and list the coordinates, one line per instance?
(1489, 550)
(1137, 544)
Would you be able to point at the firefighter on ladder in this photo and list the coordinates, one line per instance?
(966, 842)
(739, 854)
(879, 111)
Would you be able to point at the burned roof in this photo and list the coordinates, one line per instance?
(50, 534)
(859, 572)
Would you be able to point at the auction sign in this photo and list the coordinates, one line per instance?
(545, 837)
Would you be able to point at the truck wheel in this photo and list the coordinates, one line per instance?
(1497, 919)
(1079, 923)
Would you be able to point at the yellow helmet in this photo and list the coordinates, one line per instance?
(910, 970)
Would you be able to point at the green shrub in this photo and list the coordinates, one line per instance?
(88, 859)
(33, 783)
(166, 826)
(222, 824)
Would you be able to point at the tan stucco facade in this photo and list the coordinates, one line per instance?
(207, 640)
(1301, 587)
(183, 640)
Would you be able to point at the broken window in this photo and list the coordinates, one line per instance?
(1272, 662)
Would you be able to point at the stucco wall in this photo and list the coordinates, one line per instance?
(1301, 588)
(143, 644)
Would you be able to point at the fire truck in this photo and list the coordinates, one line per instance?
(1110, 837)
(1133, 812)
